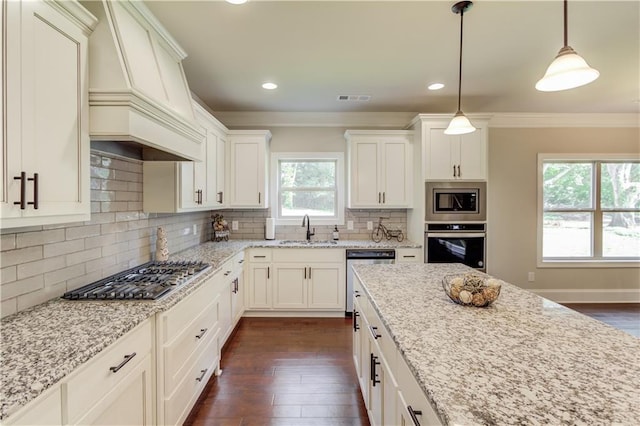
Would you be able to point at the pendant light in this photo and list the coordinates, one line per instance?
(568, 69)
(460, 124)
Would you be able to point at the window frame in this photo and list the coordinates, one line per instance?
(338, 157)
(596, 260)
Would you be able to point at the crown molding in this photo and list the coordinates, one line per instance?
(386, 120)
(565, 120)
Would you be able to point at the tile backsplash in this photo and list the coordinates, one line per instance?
(40, 263)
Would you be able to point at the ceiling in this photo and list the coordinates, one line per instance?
(391, 50)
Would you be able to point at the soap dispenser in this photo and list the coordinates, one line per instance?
(336, 234)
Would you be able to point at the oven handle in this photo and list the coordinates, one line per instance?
(457, 235)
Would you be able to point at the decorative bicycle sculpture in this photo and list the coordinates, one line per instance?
(381, 231)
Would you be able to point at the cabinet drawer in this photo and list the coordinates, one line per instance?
(238, 260)
(308, 255)
(259, 255)
(44, 410)
(408, 255)
(96, 378)
(179, 352)
(177, 318)
(178, 405)
(410, 394)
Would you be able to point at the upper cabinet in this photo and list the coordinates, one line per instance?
(380, 168)
(138, 89)
(248, 168)
(44, 160)
(179, 186)
(462, 157)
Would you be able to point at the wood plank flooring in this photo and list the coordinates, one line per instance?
(299, 371)
(285, 371)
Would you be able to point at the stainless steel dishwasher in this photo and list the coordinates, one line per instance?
(368, 257)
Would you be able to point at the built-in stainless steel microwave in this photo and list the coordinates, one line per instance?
(455, 201)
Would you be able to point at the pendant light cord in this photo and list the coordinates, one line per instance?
(566, 31)
(460, 61)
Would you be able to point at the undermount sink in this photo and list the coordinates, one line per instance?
(305, 242)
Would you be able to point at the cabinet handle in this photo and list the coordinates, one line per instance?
(227, 273)
(199, 379)
(241, 261)
(259, 197)
(235, 285)
(356, 293)
(219, 197)
(356, 326)
(454, 170)
(127, 358)
(374, 332)
(36, 186)
(378, 198)
(268, 272)
(384, 198)
(409, 256)
(203, 331)
(23, 190)
(374, 374)
(459, 174)
(259, 257)
(305, 272)
(414, 415)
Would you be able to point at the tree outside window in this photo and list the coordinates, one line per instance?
(307, 187)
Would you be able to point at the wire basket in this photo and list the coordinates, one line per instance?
(471, 289)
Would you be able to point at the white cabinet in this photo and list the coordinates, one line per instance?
(411, 400)
(115, 387)
(409, 255)
(221, 171)
(44, 160)
(309, 279)
(45, 410)
(259, 273)
(248, 168)
(462, 157)
(187, 350)
(232, 293)
(380, 168)
(179, 186)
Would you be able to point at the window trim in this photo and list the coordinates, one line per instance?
(338, 157)
(587, 262)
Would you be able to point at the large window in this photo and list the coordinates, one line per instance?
(589, 209)
(308, 183)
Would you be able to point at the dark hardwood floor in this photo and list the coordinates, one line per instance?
(299, 371)
(285, 371)
(625, 316)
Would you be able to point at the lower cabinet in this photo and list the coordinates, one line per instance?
(390, 392)
(45, 410)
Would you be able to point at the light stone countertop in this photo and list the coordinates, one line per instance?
(43, 344)
(524, 360)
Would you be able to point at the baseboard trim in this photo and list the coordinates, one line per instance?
(590, 296)
(294, 314)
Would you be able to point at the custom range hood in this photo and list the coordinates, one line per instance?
(139, 99)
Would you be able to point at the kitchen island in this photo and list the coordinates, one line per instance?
(523, 360)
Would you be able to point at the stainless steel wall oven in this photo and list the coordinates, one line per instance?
(456, 243)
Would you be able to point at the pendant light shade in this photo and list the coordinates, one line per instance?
(460, 124)
(568, 69)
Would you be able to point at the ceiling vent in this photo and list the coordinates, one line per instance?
(354, 98)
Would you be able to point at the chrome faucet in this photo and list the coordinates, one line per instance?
(305, 220)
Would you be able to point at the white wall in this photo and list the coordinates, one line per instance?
(512, 204)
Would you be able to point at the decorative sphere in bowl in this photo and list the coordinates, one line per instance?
(471, 289)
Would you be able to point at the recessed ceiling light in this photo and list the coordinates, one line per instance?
(269, 86)
(236, 1)
(435, 86)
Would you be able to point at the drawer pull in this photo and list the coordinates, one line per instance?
(127, 358)
(356, 293)
(35, 201)
(241, 261)
(374, 332)
(356, 326)
(203, 331)
(199, 379)
(409, 256)
(374, 374)
(227, 273)
(414, 415)
(23, 190)
(259, 257)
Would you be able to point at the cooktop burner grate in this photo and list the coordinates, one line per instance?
(149, 281)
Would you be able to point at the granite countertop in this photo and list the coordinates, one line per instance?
(523, 360)
(41, 345)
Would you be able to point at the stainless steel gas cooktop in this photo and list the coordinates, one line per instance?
(149, 281)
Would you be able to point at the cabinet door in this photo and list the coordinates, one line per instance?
(259, 286)
(46, 409)
(358, 332)
(247, 170)
(220, 170)
(197, 182)
(473, 156)
(326, 286)
(46, 117)
(376, 385)
(237, 299)
(439, 151)
(395, 178)
(364, 174)
(290, 286)
(127, 404)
